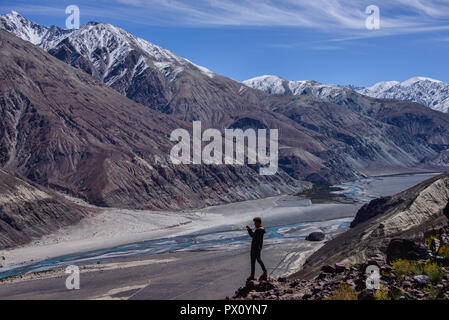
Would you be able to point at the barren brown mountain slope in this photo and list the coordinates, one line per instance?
(323, 137)
(28, 210)
(63, 129)
(336, 139)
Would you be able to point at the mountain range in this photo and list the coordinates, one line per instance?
(428, 92)
(425, 91)
(89, 112)
(64, 129)
(157, 78)
(138, 69)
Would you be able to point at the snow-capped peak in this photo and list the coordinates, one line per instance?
(118, 43)
(414, 80)
(107, 47)
(267, 78)
(268, 83)
(276, 85)
(383, 85)
(20, 26)
(387, 85)
(426, 91)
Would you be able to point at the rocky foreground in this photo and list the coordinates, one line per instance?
(409, 270)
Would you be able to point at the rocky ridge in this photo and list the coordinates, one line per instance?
(408, 271)
(405, 238)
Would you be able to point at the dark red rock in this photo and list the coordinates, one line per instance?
(366, 294)
(360, 284)
(407, 249)
(328, 269)
(321, 276)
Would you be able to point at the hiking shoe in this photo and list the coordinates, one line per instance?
(264, 277)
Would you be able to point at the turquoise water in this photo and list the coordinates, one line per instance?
(206, 241)
(355, 193)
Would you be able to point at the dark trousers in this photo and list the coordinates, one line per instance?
(255, 256)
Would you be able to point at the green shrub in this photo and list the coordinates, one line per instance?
(434, 272)
(444, 251)
(428, 241)
(432, 291)
(345, 292)
(407, 267)
(395, 293)
(382, 294)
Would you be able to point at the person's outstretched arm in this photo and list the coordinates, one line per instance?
(250, 232)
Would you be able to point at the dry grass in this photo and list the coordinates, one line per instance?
(345, 292)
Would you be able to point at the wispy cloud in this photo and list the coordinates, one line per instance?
(344, 19)
(318, 14)
(443, 39)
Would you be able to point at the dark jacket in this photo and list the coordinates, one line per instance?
(257, 236)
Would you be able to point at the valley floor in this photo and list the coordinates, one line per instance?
(199, 254)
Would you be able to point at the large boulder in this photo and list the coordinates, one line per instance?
(328, 269)
(421, 280)
(370, 210)
(366, 294)
(316, 236)
(406, 249)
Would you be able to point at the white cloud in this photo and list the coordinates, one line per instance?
(343, 19)
(317, 14)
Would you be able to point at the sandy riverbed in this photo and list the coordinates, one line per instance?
(115, 227)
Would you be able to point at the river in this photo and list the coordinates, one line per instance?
(287, 220)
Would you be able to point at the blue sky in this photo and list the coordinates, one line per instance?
(323, 40)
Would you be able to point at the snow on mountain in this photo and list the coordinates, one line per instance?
(278, 86)
(14, 23)
(45, 37)
(380, 86)
(428, 92)
(270, 84)
(121, 60)
(115, 55)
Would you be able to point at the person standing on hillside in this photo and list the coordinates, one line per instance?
(256, 248)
